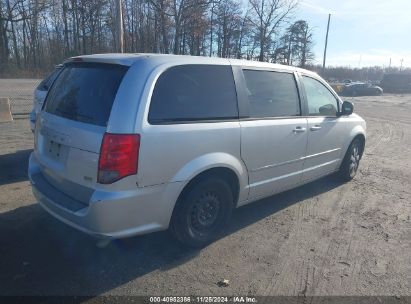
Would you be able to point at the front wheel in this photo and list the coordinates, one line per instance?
(351, 162)
(202, 212)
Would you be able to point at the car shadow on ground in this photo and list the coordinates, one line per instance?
(41, 256)
(13, 167)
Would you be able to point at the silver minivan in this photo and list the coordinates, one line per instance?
(128, 144)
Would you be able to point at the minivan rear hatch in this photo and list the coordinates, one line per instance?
(72, 124)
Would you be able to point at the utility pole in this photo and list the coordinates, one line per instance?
(326, 42)
(402, 60)
(119, 27)
(211, 29)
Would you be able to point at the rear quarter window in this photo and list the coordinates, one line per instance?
(85, 92)
(194, 93)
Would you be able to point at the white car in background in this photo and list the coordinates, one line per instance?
(40, 94)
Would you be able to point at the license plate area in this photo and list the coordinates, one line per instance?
(54, 148)
(56, 151)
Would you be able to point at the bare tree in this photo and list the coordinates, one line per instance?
(180, 12)
(229, 23)
(267, 18)
(37, 34)
(162, 8)
(4, 43)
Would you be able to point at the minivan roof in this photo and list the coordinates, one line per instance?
(129, 59)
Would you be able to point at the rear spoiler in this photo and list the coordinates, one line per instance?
(120, 59)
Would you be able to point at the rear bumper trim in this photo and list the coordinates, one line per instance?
(61, 199)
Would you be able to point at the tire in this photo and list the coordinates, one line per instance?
(203, 212)
(351, 161)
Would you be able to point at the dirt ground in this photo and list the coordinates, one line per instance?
(325, 238)
(20, 93)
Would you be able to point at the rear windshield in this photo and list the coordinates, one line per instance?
(85, 92)
(48, 81)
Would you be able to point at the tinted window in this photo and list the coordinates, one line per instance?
(272, 94)
(321, 102)
(48, 81)
(85, 92)
(194, 92)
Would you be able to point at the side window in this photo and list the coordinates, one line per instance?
(194, 92)
(321, 102)
(272, 94)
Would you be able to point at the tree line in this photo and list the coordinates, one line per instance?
(37, 34)
(371, 74)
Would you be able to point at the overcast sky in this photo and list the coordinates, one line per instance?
(362, 32)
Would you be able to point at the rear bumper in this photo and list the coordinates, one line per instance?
(108, 214)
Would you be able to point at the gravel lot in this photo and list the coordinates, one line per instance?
(325, 238)
(20, 92)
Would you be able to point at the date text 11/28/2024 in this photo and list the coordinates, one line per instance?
(210, 299)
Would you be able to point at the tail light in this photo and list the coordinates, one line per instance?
(118, 157)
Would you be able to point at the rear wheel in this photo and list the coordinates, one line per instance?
(202, 212)
(351, 161)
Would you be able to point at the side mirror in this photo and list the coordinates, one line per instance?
(347, 108)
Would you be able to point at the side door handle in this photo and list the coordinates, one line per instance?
(299, 130)
(315, 128)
